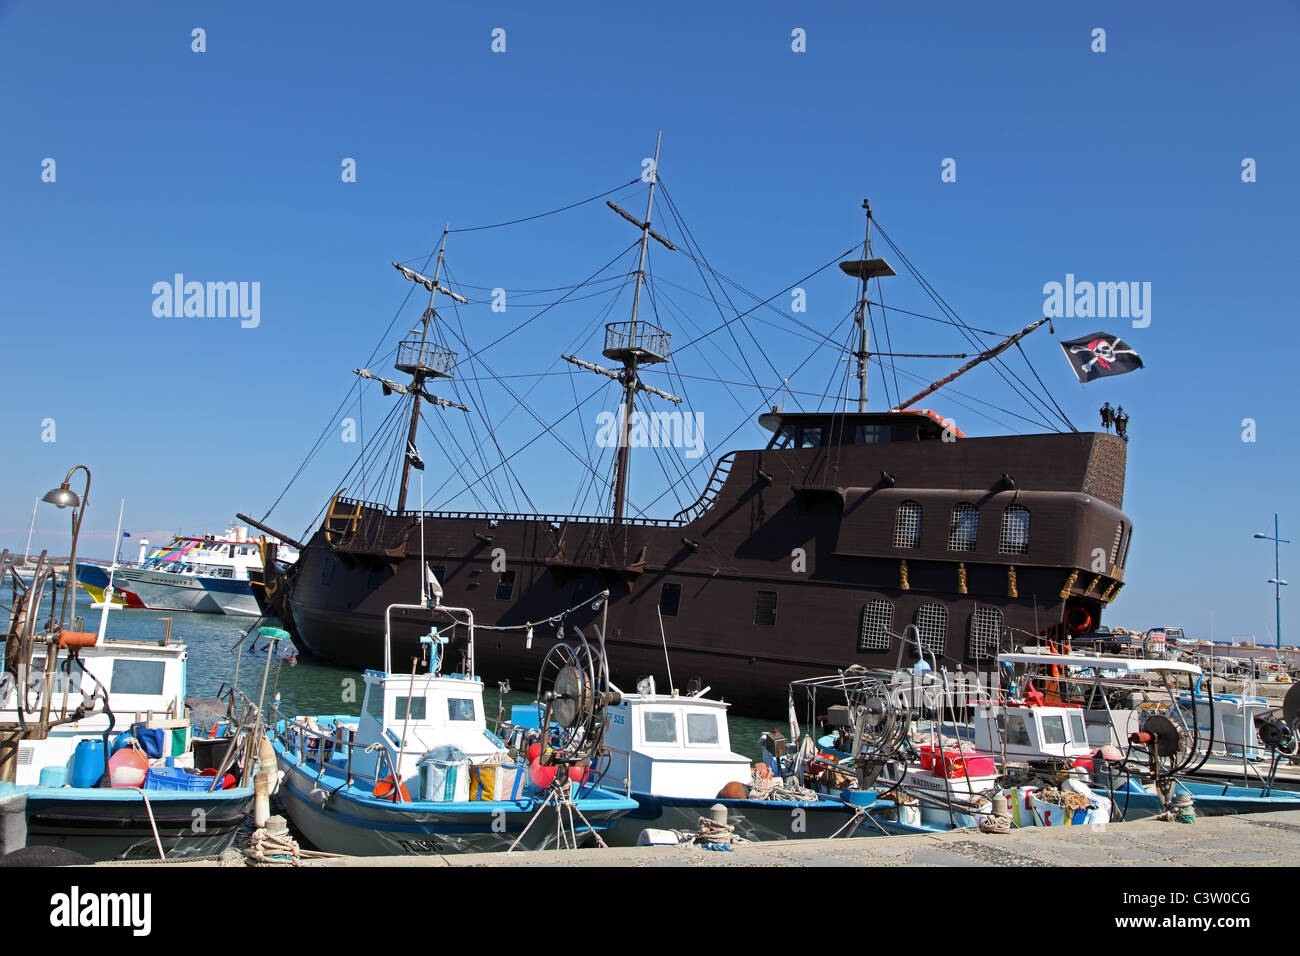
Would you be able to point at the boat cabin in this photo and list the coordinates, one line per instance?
(434, 710)
(672, 746)
(144, 681)
(818, 429)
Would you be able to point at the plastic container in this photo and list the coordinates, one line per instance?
(444, 775)
(53, 776)
(174, 778)
(87, 764)
(969, 764)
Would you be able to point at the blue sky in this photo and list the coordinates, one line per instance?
(1123, 165)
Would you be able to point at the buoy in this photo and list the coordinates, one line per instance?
(127, 768)
(384, 788)
(534, 751)
(542, 777)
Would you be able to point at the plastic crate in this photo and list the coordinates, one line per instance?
(174, 778)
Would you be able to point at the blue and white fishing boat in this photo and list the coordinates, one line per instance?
(672, 753)
(418, 771)
(100, 759)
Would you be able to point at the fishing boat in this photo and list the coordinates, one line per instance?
(96, 752)
(207, 573)
(786, 558)
(418, 772)
(672, 754)
(1119, 723)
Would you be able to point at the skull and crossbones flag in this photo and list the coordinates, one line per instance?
(1100, 354)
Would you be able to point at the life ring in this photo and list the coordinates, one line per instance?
(1078, 620)
(384, 788)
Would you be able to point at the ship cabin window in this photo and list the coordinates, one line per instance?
(1013, 727)
(873, 434)
(505, 585)
(702, 729)
(985, 629)
(964, 527)
(375, 703)
(765, 608)
(659, 727)
(418, 710)
(932, 621)
(907, 525)
(1053, 730)
(875, 625)
(460, 708)
(810, 436)
(1078, 732)
(137, 677)
(1014, 538)
(670, 599)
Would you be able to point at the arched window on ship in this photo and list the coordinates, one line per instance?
(1014, 538)
(874, 627)
(907, 525)
(932, 621)
(985, 629)
(964, 527)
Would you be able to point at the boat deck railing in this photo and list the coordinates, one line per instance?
(497, 516)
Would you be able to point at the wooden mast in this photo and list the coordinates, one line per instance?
(633, 343)
(418, 379)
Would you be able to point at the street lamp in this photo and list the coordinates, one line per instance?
(1276, 579)
(64, 497)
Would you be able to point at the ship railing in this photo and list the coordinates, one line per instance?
(318, 747)
(710, 493)
(555, 519)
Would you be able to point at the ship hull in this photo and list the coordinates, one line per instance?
(775, 578)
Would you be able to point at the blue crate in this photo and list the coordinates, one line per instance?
(174, 778)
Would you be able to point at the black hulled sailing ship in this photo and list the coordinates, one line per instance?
(798, 558)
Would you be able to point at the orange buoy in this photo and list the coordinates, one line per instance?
(384, 788)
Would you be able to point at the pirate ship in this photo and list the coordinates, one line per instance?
(808, 553)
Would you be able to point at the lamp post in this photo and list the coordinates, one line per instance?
(64, 497)
(1276, 579)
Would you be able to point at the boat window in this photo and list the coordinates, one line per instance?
(417, 708)
(810, 436)
(670, 599)
(1053, 730)
(1078, 732)
(460, 708)
(907, 525)
(873, 434)
(964, 526)
(137, 677)
(701, 729)
(375, 703)
(784, 437)
(505, 585)
(1016, 732)
(875, 625)
(1014, 538)
(765, 608)
(659, 727)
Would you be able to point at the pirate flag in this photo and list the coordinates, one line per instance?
(413, 457)
(1100, 354)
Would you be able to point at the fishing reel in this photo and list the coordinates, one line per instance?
(1167, 745)
(1280, 732)
(573, 689)
(879, 725)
